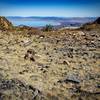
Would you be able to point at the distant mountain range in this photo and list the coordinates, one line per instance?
(53, 18)
(64, 21)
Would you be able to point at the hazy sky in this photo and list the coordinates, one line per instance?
(65, 8)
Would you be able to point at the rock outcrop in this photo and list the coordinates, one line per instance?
(4, 23)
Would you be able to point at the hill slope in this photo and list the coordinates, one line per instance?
(56, 65)
(4, 23)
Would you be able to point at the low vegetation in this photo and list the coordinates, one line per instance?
(48, 28)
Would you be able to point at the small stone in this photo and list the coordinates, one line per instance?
(41, 36)
(31, 51)
(98, 85)
(21, 73)
(66, 63)
(30, 55)
(25, 43)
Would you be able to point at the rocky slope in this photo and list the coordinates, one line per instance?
(57, 65)
(97, 21)
(5, 24)
(92, 25)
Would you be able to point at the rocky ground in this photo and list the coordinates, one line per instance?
(59, 65)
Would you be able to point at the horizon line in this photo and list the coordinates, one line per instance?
(57, 16)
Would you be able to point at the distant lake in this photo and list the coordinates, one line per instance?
(32, 22)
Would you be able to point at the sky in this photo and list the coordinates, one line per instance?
(57, 8)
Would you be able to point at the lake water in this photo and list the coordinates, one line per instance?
(33, 23)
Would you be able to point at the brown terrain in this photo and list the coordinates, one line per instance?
(56, 65)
